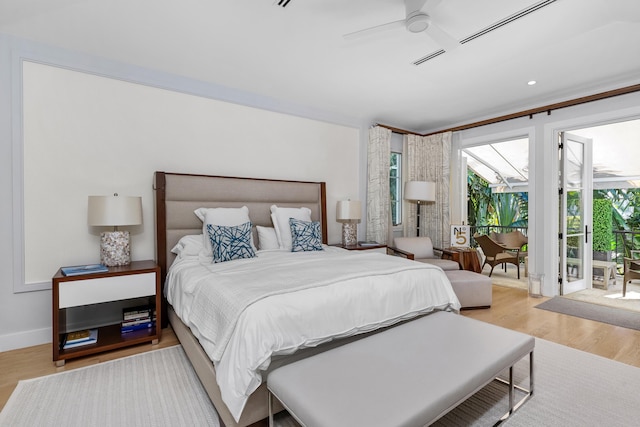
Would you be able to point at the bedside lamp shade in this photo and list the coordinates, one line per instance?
(114, 211)
(419, 191)
(349, 212)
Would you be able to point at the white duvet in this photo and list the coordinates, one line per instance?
(243, 312)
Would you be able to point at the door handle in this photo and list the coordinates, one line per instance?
(586, 234)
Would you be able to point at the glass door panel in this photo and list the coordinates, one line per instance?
(575, 213)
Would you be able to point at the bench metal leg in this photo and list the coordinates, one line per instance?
(512, 388)
(270, 408)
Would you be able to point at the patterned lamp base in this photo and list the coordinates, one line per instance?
(114, 248)
(349, 233)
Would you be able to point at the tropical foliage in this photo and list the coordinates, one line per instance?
(602, 225)
(501, 209)
(625, 217)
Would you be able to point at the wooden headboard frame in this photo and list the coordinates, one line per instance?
(177, 195)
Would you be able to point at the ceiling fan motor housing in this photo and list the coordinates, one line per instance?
(417, 22)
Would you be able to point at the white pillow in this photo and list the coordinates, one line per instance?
(280, 218)
(227, 217)
(189, 245)
(267, 238)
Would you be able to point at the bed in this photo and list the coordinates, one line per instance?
(232, 348)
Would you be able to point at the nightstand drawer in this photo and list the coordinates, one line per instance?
(105, 289)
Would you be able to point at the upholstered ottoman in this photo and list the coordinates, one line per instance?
(472, 289)
(409, 375)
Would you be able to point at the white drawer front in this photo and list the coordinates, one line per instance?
(104, 289)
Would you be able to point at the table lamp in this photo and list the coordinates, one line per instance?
(114, 211)
(349, 212)
(419, 191)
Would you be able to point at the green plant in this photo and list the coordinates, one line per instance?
(487, 208)
(479, 199)
(602, 225)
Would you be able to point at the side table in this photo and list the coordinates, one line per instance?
(468, 258)
(96, 301)
(368, 247)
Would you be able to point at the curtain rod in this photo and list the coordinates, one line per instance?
(530, 112)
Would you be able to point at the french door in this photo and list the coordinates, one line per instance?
(576, 196)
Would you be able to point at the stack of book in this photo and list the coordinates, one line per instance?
(79, 338)
(137, 318)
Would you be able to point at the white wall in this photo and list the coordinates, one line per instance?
(89, 134)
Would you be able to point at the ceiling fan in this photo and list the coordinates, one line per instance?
(417, 20)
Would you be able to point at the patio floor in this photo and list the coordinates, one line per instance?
(508, 279)
(610, 297)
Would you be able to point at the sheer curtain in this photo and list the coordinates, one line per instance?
(428, 160)
(378, 191)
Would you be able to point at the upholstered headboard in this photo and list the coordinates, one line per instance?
(177, 195)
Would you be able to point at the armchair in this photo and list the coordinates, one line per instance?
(631, 272)
(495, 253)
(421, 249)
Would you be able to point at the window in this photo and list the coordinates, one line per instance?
(395, 184)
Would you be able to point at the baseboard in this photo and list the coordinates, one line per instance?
(25, 339)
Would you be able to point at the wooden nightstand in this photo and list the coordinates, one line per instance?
(377, 248)
(96, 301)
(466, 257)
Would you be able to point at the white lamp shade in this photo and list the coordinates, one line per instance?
(114, 210)
(423, 191)
(348, 210)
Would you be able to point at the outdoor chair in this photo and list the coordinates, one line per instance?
(513, 241)
(631, 272)
(421, 249)
(495, 253)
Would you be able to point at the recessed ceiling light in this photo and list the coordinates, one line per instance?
(531, 82)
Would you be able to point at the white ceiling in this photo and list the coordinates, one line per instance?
(296, 55)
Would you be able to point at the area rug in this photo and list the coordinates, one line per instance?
(159, 388)
(601, 313)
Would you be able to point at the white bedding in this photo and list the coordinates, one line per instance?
(284, 301)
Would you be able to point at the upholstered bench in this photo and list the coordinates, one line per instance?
(472, 289)
(408, 375)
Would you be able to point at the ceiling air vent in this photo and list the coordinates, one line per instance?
(283, 3)
(428, 57)
(508, 19)
(495, 26)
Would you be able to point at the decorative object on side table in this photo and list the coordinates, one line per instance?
(114, 211)
(460, 236)
(348, 212)
(77, 270)
(419, 191)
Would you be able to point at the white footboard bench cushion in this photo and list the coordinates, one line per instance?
(408, 375)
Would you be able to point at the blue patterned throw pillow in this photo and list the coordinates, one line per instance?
(306, 236)
(229, 243)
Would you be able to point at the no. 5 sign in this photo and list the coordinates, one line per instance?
(460, 236)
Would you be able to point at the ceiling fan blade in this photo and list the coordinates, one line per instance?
(413, 5)
(429, 5)
(441, 37)
(374, 30)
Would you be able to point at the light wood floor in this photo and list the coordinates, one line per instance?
(512, 308)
